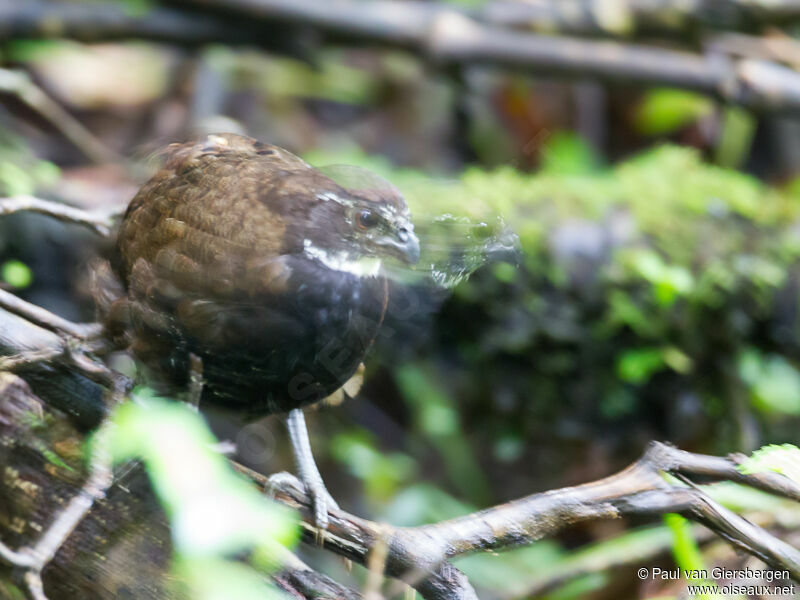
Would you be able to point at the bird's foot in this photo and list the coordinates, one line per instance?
(321, 500)
(323, 503)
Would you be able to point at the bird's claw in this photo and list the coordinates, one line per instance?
(323, 503)
(321, 500)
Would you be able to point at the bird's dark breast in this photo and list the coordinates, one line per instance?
(295, 349)
(265, 354)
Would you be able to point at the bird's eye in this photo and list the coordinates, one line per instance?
(366, 219)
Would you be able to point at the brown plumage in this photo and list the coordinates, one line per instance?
(266, 268)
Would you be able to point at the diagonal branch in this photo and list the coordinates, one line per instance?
(44, 318)
(419, 555)
(20, 84)
(100, 224)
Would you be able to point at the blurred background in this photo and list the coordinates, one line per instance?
(645, 153)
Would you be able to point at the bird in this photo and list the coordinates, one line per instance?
(266, 269)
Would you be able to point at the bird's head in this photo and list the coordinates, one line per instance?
(358, 220)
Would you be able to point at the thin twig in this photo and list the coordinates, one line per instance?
(24, 359)
(20, 84)
(100, 224)
(44, 318)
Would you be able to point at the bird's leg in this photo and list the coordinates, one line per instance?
(307, 468)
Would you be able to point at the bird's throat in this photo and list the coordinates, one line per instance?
(343, 261)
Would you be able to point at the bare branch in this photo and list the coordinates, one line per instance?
(100, 224)
(23, 360)
(420, 555)
(596, 17)
(66, 383)
(448, 36)
(674, 460)
(44, 318)
(441, 32)
(296, 577)
(639, 490)
(19, 84)
(108, 21)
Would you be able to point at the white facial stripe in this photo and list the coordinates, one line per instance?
(333, 197)
(388, 212)
(366, 266)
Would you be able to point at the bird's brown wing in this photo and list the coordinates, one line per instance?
(201, 248)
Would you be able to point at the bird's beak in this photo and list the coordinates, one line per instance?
(404, 244)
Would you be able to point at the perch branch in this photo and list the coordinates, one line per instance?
(639, 490)
(298, 578)
(68, 382)
(95, 221)
(420, 555)
(32, 560)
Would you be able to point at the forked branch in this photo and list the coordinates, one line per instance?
(419, 555)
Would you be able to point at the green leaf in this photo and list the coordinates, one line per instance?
(16, 274)
(686, 551)
(212, 509)
(774, 382)
(568, 153)
(783, 459)
(664, 111)
(637, 366)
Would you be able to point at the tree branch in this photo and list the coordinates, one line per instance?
(419, 555)
(448, 36)
(439, 32)
(44, 318)
(596, 17)
(100, 22)
(19, 84)
(61, 383)
(98, 223)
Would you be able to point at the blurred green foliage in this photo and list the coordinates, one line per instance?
(783, 459)
(20, 171)
(16, 274)
(657, 299)
(665, 110)
(658, 295)
(686, 551)
(215, 515)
